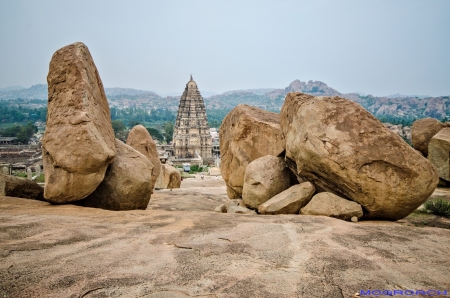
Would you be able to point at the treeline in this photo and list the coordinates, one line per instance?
(130, 116)
(23, 133)
(19, 114)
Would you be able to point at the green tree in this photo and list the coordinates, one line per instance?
(156, 134)
(168, 131)
(118, 125)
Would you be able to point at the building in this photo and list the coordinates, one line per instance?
(191, 136)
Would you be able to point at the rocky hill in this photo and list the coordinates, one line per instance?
(409, 107)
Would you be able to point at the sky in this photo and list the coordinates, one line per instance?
(378, 47)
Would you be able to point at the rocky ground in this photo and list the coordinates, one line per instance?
(178, 247)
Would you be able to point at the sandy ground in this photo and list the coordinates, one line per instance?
(178, 247)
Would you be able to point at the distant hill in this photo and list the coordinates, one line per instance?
(12, 88)
(397, 105)
(38, 91)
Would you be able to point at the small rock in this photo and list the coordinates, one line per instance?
(329, 204)
(13, 186)
(240, 210)
(221, 209)
(289, 201)
(354, 219)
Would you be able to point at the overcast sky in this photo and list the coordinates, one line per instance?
(377, 47)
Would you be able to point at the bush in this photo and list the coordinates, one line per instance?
(438, 207)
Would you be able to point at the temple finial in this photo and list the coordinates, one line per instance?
(191, 77)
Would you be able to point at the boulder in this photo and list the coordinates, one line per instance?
(341, 148)
(247, 133)
(127, 184)
(169, 177)
(422, 131)
(78, 144)
(140, 139)
(12, 186)
(264, 178)
(328, 204)
(289, 201)
(439, 151)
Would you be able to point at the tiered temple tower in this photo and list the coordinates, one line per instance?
(191, 136)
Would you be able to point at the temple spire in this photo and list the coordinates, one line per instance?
(191, 77)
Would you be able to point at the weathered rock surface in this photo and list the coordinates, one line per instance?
(246, 134)
(439, 152)
(329, 204)
(19, 187)
(422, 132)
(289, 201)
(240, 210)
(78, 144)
(70, 251)
(341, 148)
(264, 178)
(169, 177)
(140, 139)
(127, 184)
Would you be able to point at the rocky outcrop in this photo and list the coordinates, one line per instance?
(341, 148)
(264, 178)
(169, 177)
(127, 184)
(328, 204)
(422, 132)
(289, 201)
(439, 152)
(12, 186)
(246, 134)
(140, 139)
(78, 143)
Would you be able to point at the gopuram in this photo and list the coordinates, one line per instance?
(192, 142)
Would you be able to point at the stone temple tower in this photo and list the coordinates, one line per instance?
(191, 136)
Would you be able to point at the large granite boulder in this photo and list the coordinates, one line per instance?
(169, 177)
(289, 201)
(247, 133)
(127, 184)
(12, 186)
(78, 144)
(341, 148)
(328, 204)
(422, 132)
(264, 178)
(439, 151)
(140, 139)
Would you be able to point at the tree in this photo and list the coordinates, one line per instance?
(168, 132)
(156, 134)
(118, 125)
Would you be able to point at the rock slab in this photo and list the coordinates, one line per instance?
(12, 186)
(246, 134)
(264, 178)
(329, 204)
(439, 151)
(127, 184)
(78, 144)
(422, 132)
(289, 201)
(341, 148)
(140, 139)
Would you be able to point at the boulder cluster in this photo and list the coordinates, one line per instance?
(432, 138)
(321, 156)
(83, 162)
